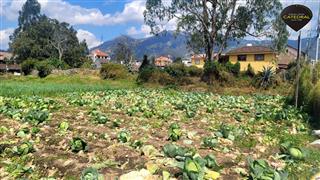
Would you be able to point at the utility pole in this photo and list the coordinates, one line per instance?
(298, 71)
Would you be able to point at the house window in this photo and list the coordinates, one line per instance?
(242, 57)
(197, 61)
(259, 57)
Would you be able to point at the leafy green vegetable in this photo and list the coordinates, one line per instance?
(91, 174)
(260, 169)
(210, 142)
(23, 149)
(174, 132)
(136, 144)
(36, 116)
(172, 150)
(211, 162)
(63, 126)
(124, 137)
(77, 144)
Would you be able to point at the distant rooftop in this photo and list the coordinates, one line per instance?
(250, 50)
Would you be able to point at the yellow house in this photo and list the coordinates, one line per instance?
(256, 56)
(198, 60)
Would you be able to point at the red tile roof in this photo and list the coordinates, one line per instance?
(250, 50)
(100, 53)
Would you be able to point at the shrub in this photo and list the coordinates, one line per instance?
(58, 64)
(314, 104)
(194, 71)
(161, 77)
(305, 86)
(250, 72)
(145, 74)
(233, 68)
(28, 65)
(113, 71)
(213, 70)
(44, 68)
(265, 78)
(145, 63)
(176, 70)
(87, 63)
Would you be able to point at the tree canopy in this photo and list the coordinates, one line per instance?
(211, 23)
(40, 37)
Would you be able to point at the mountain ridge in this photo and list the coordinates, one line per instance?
(168, 43)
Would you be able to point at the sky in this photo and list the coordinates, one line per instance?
(97, 21)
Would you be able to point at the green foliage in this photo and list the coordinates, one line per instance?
(233, 68)
(250, 72)
(59, 39)
(305, 85)
(145, 63)
(91, 174)
(174, 132)
(194, 71)
(154, 75)
(36, 116)
(23, 149)
(57, 64)
(44, 68)
(265, 78)
(123, 136)
(213, 70)
(77, 145)
(113, 71)
(63, 126)
(176, 70)
(28, 65)
(174, 151)
(314, 104)
(291, 152)
(260, 169)
(209, 142)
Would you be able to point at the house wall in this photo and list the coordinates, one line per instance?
(269, 60)
(201, 62)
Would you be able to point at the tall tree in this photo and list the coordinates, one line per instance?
(123, 53)
(40, 37)
(29, 14)
(211, 23)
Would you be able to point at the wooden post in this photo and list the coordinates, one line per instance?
(298, 72)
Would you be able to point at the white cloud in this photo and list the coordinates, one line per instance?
(75, 14)
(90, 38)
(144, 31)
(4, 37)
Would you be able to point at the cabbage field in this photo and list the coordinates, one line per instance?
(154, 134)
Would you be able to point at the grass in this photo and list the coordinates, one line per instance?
(54, 85)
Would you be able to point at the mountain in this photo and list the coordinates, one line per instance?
(168, 43)
(306, 43)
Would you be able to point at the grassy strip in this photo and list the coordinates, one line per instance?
(55, 85)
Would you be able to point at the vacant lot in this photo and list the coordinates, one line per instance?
(125, 130)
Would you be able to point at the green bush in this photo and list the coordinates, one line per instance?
(233, 68)
(145, 74)
(250, 72)
(314, 104)
(44, 68)
(176, 70)
(305, 85)
(56, 63)
(194, 71)
(28, 65)
(213, 70)
(113, 71)
(162, 78)
(316, 74)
